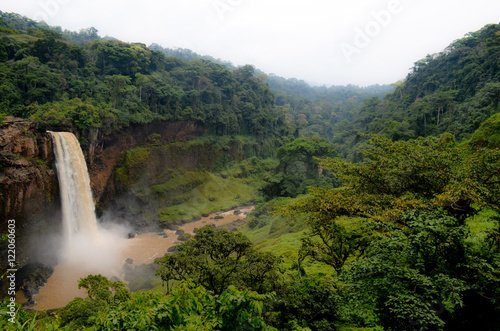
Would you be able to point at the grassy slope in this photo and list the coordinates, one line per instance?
(480, 225)
(280, 235)
(183, 180)
(212, 193)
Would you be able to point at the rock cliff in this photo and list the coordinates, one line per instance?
(29, 189)
(28, 182)
(105, 152)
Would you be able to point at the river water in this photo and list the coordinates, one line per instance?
(62, 286)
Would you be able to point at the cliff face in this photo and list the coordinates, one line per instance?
(105, 152)
(28, 182)
(29, 191)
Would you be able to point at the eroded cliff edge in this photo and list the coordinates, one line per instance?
(28, 182)
(29, 191)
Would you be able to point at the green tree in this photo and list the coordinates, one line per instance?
(305, 150)
(217, 259)
(332, 243)
(310, 302)
(423, 276)
(75, 315)
(99, 287)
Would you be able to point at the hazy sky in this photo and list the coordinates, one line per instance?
(328, 42)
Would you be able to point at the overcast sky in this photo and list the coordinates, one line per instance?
(328, 42)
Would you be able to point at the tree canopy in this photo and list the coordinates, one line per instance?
(407, 175)
(216, 259)
(116, 84)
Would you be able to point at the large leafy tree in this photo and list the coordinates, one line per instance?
(99, 287)
(406, 175)
(217, 259)
(299, 166)
(101, 293)
(306, 150)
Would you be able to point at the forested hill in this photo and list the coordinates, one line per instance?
(78, 79)
(452, 91)
(63, 78)
(109, 84)
(290, 91)
(455, 90)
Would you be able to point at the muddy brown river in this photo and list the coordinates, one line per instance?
(62, 286)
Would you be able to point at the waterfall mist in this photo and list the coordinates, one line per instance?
(84, 245)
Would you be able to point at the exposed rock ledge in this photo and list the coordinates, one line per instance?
(105, 153)
(28, 184)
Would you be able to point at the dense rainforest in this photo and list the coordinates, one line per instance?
(376, 208)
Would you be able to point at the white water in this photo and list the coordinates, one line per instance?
(83, 245)
(78, 210)
(86, 248)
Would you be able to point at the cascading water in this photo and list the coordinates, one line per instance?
(78, 210)
(85, 248)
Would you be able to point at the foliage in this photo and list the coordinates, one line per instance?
(186, 308)
(298, 167)
(188, 55)
(110, 84)
(305, 150)
(408, 263)
(84, 115)
(401, 176)
(22, 319)
(216, 259)
(308, 302)
(99, 287)
(75, 315)
(488, 134)
(332, 243)
(420, 276)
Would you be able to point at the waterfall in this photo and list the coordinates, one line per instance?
(78, 210)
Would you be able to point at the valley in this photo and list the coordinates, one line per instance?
(220, 197)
